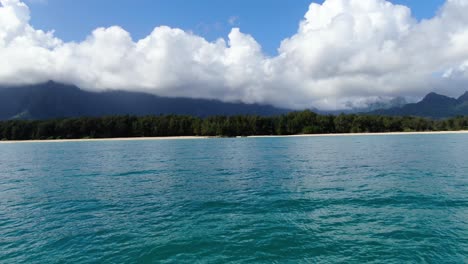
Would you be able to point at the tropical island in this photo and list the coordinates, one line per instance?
(294, 123)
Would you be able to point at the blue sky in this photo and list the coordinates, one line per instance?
(269, 21)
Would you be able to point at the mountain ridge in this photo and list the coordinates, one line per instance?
(433, 105)
(54, 100)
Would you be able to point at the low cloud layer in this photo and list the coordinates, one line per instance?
(345, 53)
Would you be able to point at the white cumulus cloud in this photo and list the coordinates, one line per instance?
(345, 53)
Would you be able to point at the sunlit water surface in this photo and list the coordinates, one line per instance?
(351, 199)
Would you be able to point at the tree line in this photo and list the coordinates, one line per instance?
(305, 122)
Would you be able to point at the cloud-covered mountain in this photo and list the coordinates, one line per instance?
(433, 106)
(368, 106)
(53, 100)
(345, 54)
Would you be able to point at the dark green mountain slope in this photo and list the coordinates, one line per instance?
(53, 100)
(432, 106)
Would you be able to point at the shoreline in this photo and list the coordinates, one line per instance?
(206, 137)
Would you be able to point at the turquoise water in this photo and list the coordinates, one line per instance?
(353, 199)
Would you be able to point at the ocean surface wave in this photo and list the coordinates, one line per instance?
(391, 199)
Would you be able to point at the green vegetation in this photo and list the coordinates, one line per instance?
(305, 122)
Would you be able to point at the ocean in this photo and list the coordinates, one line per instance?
(345, 199)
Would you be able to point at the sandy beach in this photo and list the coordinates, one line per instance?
(199, 137)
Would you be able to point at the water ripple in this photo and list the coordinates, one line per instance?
(286, 200)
